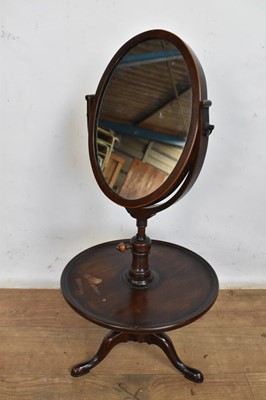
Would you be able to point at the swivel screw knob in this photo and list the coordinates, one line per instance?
(123, 247)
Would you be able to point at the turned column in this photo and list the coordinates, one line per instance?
(139, 274)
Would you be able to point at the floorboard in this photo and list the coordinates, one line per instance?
(41, 338)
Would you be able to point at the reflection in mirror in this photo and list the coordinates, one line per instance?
(144, 118)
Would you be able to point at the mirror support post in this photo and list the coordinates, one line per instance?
(89, 98)
(140, 275)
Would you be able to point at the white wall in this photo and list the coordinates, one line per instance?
(53, 53)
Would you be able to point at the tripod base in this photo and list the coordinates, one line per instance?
(160, 339)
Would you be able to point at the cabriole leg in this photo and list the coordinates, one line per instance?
(110, 340)
(164, 342)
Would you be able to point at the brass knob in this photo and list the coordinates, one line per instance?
(123, 247)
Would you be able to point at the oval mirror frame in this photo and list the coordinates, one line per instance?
(194, 136)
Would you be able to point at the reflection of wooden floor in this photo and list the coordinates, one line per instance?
(41, 338)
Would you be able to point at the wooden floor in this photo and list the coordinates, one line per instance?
(41, 337)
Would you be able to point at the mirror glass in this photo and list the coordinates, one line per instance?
(144, 118)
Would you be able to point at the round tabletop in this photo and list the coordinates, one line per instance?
(184, 287)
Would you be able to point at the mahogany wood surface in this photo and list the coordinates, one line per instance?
(181, 287)
(184, 287)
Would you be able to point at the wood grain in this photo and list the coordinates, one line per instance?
(41, 338)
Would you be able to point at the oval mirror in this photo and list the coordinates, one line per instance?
(145, 119)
